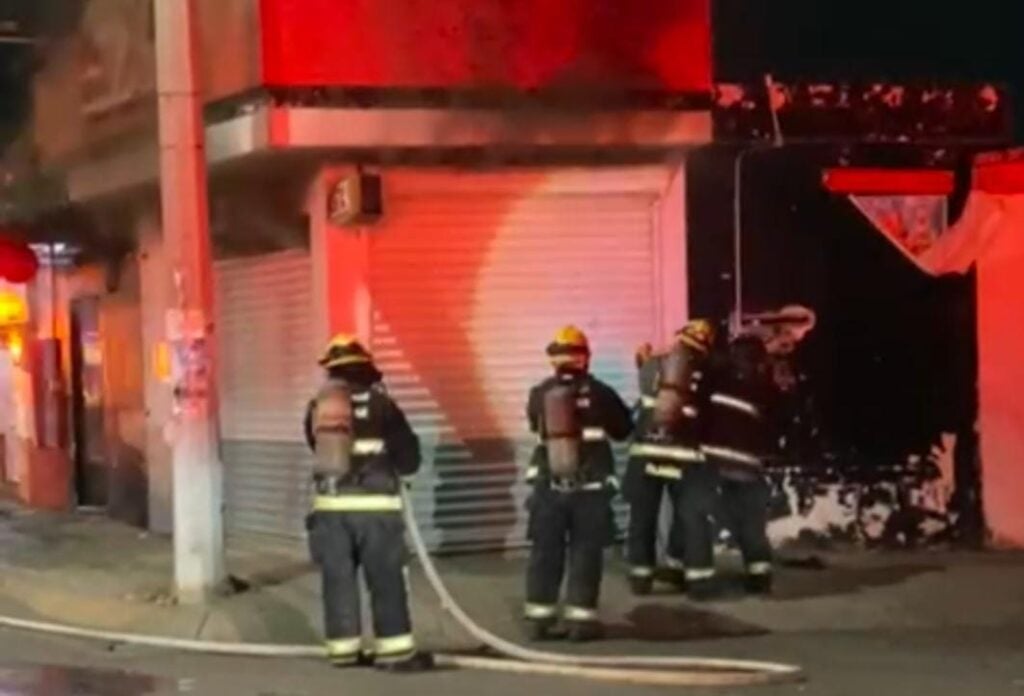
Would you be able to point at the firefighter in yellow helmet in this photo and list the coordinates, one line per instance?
(363, 448)
(573, 476)
(665, 459)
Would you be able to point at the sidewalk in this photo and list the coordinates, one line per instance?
(92, 572)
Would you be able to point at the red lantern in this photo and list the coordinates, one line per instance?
(18, 263)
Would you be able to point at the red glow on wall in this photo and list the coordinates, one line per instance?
(527, 44)
(1001, 375)
(1002, 177)
(866, 181)
(988, 235)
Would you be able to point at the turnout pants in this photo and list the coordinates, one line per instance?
(645, 499)
(745, 509)
(343, 542)
(573, 527)
(698, 498)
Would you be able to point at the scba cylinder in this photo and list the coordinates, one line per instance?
(562, 431)
(672, 387)
(332, 428)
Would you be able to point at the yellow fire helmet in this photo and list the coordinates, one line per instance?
(570, 348)
(698, 334)
(345, 349)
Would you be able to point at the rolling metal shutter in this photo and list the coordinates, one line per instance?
(267, 371)
(470, 277)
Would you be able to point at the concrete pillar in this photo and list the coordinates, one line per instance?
(153, 274)
(197, 475)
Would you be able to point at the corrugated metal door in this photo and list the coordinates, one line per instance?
(470, 277)
(267, 344)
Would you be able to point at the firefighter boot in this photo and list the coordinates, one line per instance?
(362, 659)
(541, 630)
(702, 590)
(641, 586)
(674, 574)
(417, 662)
(759, 584)
(676, 578)
(585, 631)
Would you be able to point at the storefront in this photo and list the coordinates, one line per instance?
(524, 154)
(466, 277)
(531, 158)
(15, 391)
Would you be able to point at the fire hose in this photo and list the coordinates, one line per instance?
(649, 670)
(665, 671)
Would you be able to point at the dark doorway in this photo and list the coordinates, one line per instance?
(892, 360)
(890, 369)
(91, 466)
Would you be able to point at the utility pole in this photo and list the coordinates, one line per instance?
(197, 477)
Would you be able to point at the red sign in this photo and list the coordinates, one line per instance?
(907, 206)
(911, 223)
(888, 182)
(1000, 172)
(525, 44)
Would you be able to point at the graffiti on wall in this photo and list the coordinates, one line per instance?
(818, 495)
(905, 505)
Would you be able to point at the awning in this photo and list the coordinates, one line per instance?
(268, 129)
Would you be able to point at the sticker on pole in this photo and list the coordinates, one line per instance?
(190, 374)
(911, 223)
(181, 325)
(188, 349)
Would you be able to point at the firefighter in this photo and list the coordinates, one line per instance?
(363, 449)
(738, 440)
(573, 476)
(665, 457)
(645, 491)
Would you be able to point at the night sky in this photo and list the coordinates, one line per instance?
(911, 40)
(898, 39)
(806, 39)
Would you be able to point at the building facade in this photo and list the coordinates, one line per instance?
(538, 164)
(532, 167)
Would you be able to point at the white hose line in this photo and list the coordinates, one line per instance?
(658, 671)
(163, 642)
(705, 670)
(626, 675)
